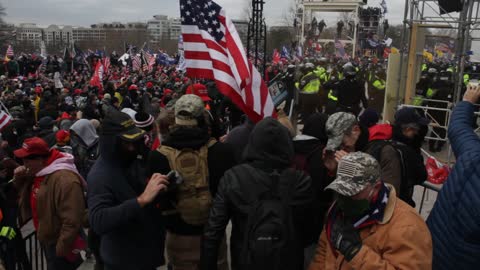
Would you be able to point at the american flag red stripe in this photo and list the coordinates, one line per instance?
(213, 50)
(5, 120)
(150, 59)
(106, 64)
(10, 51)
(136, 62)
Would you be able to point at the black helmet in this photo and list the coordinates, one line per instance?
(349, 71)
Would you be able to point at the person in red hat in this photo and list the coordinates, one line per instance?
(78, 92)
(133, 87)
(63, 141)
(51, 192)
(149, 85)
(167, 97)
(200, 90)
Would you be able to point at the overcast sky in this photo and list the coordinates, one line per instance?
(87, 12)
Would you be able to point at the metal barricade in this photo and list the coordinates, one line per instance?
(35, 252)
(435, 123)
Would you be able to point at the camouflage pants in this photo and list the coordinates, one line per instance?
(183, 252)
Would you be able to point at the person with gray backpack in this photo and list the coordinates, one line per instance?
(270, 206)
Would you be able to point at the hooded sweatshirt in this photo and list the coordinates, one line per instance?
(56, 162)
(269, 149)
(238, 138)
(380, 132)
(85, 149)
(86, 131)
(132, 237)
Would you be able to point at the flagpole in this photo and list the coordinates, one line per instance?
(73, 57)
(2, 106)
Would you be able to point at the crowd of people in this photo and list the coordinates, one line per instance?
(150, 168)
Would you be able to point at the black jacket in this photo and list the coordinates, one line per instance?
(350, 94)
(312, 149)
(238, 138)
(131, 237)
(415, 172)
(220, 159)
(270, 148)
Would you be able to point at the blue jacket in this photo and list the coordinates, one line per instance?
(131, 237)
(455, 218)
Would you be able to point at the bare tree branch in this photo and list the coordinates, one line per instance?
(3, 13)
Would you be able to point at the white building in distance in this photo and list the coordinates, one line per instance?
(161, 27)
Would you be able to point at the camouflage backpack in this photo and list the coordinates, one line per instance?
(193, 197)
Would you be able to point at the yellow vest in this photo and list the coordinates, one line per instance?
(313, 86)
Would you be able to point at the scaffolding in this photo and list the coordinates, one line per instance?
(257, 36)
(350, 6)
(420, 15)
(427, 14)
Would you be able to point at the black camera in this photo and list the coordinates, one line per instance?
(175, 179)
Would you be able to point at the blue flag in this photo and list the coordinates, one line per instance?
(285, 53)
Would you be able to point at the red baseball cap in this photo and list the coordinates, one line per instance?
(200, 90)
(62, 136)
(78, 92)
(133, 87)
(149, 85)
(32, 146)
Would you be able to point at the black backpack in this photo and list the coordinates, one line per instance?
(270, 237)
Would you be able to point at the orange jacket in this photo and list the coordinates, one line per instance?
(401, 241)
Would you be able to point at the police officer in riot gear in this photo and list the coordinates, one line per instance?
(350, 92)
(377, 91)
(309, 87)
(424, 86)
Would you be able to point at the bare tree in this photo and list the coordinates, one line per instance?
(247, 10)
(292, 13)
(345, 17)
(3, 13)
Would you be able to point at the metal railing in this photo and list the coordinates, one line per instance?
(35, 252)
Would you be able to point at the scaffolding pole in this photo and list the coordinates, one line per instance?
(427, 14)
(257, 36)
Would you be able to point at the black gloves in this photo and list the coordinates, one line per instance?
(345, 238)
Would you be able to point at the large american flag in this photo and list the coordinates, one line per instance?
(213, 50)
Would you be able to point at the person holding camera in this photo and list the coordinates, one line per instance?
(195, 163)
(120, 201)
(454, 221)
